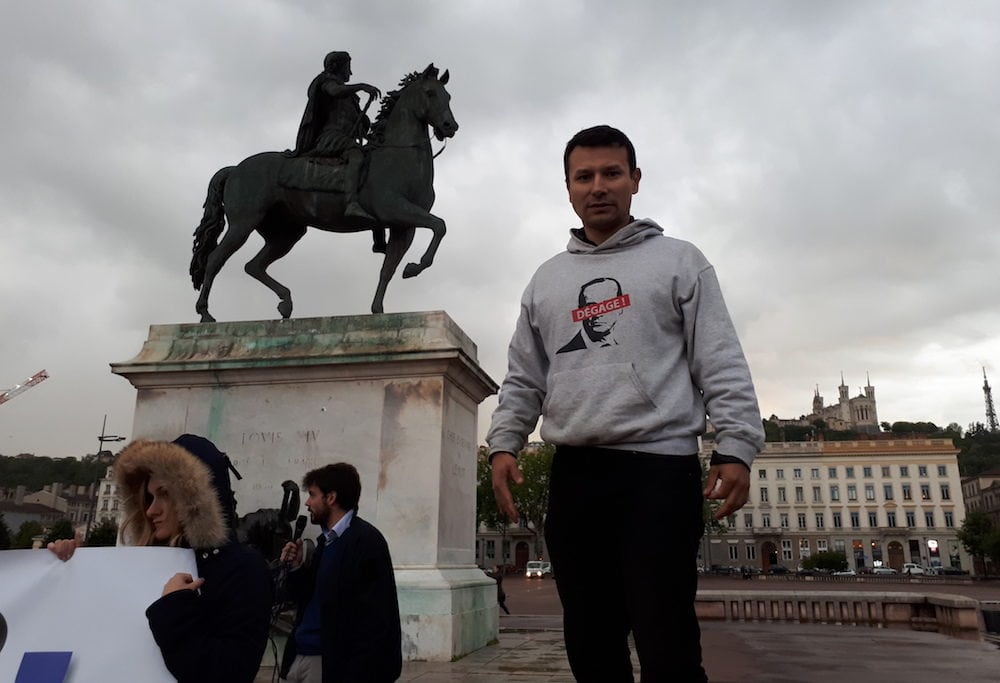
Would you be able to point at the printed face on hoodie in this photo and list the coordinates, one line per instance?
(600, 189)
(161, 511)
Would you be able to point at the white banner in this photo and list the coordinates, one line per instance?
(89, 611)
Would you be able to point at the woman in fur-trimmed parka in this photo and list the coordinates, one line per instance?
(213, 628)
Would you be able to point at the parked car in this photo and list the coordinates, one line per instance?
(778, 569)
(950, 571)
(846, 572)
(884, 570)
(913, 569)
(537, 568)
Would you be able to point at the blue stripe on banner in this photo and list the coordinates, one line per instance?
(43, 667)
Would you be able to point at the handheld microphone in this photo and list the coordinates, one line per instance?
(300, 526)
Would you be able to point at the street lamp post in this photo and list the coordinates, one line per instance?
(101, 440)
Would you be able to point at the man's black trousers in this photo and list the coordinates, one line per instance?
(622, 532)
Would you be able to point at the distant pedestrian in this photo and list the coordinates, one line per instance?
(501, 594)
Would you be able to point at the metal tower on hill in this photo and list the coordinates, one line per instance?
(991, 412)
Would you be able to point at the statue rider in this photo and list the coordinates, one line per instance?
(333, 125)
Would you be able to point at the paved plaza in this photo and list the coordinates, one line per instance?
(530, 649)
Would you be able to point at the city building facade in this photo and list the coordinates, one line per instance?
(882, 503)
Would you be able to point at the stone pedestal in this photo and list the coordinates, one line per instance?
(396, 395)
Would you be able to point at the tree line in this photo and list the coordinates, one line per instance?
(36, 472)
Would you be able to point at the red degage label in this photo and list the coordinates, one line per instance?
(607, 306)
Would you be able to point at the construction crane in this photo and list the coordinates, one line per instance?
(36, 378)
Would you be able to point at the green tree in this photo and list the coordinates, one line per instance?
(61, 529)
(104, 533)
(487, 512)
(532, 497)
(979, 450)
(828, 561)
(975, 533)
(5, 534)
(25, 534)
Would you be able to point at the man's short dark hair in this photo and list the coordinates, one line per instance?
(599, 136)
(341, 478)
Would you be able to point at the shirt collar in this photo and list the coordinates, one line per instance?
(340, 527)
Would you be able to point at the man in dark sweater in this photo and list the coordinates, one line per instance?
(347, 625)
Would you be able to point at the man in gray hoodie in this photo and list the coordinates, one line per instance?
(622, 346)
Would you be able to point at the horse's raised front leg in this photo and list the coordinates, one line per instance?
(400, 240)
(436, 226)
(274, 248)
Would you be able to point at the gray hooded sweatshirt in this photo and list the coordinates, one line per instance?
(627, 345)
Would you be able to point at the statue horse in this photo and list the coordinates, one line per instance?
(396, 189)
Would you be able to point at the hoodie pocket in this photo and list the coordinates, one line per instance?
(598, 404)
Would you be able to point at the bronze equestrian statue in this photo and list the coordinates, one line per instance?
(281, 194)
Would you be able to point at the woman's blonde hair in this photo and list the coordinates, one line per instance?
(138, 529)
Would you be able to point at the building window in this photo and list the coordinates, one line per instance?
(765, 520)
(887, 491)
(852, 492)
(921, 470)
(925, 492)
(491, 549)
(869, 492)
(867, 472)
(834, 492)
(786, 549)
(731, 521)
(734, 551)
(779, 473)
(751, 551)
(800, 496)
(942, 470)
(838, 522)
(104, 506)
(814, 473)
(797, 473)
(821, 546)
(804, 547)
(831, 472)
(945, 492)
(907, 492)
(783, 518)
(839, 546)
(929, 519)
(849, 472)
(904, 471)
(748, 520)
(890, 518)
(763, 494)
(802, 520)
(782, 498)
(885, 471)
(873, 519)
(911, 519)
(762, 474)
(817, 494)
(820, 521)
(949, 519)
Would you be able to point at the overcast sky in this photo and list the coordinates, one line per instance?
(839, 164)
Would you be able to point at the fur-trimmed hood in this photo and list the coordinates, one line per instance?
(189, 482)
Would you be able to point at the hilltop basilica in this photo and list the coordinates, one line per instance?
(857, 414)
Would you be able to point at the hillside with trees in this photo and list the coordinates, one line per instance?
(35, 472)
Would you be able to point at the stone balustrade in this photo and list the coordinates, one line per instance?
(952, 615)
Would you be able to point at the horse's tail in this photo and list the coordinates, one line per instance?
(213, 222)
